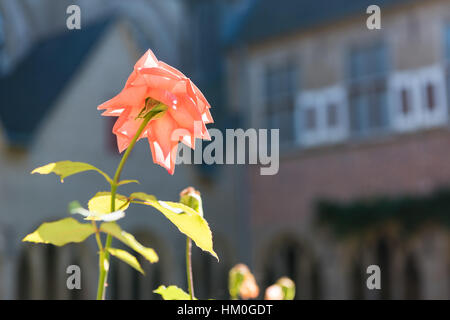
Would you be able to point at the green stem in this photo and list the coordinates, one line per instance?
(97, 236)
(104, 256)
(189, 267)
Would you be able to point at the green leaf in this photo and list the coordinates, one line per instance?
(172, 293)
(143, 196)
(126, 257)
(61, 232)
(101, 203)
(127, 181)
(187, 220)
(113, 229)
(68, 168)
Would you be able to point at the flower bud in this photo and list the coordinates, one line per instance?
(274, 292)
(288, 287)
(283, 289)
(242, 283)
(191, 198)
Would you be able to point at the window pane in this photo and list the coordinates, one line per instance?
(280, 84)
(379, 60)
(406, 108)
(357, 64)
(430, 96)
(368, 100)
(357, 106)
(332, 116)
(378, 111)
(282, 120)
(310, 119)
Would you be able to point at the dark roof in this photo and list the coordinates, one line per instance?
(271, 18)
(29, 91)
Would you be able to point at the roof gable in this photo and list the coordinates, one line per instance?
(30, 90)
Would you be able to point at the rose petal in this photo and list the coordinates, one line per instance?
(133, 96)
(148, 60)
(164, 148)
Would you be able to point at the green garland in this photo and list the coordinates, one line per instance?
(409, 212)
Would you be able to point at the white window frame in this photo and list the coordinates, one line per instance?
(319, 100)
(415, 83)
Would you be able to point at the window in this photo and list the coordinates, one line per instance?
(406, 102)
(321, 116)
(418, 98)
(447, 62)
(332, 115)
(431, 85)
(403, 101)
(368, 90)
(279, 96)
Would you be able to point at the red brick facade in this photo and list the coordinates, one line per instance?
(394, 165)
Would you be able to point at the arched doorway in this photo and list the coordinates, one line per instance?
(125, 282)
(42, 271)
(383, 257)
(286, 256)
(412, 278)
(210, 276)
(24, 275)
(357, 278)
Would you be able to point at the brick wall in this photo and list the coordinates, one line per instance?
(407, 164)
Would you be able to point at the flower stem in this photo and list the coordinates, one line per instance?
(97, 236)
(104, 255)
(189, 267)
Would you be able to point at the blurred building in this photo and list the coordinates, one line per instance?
(49, 90)
(364, 130)
(364, 144)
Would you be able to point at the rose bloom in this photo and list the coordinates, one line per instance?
(274, 292)
(185, 118)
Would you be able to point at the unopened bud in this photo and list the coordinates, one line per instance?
(242, 283)
(283, 289)
(191, 198)
(274, 292)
